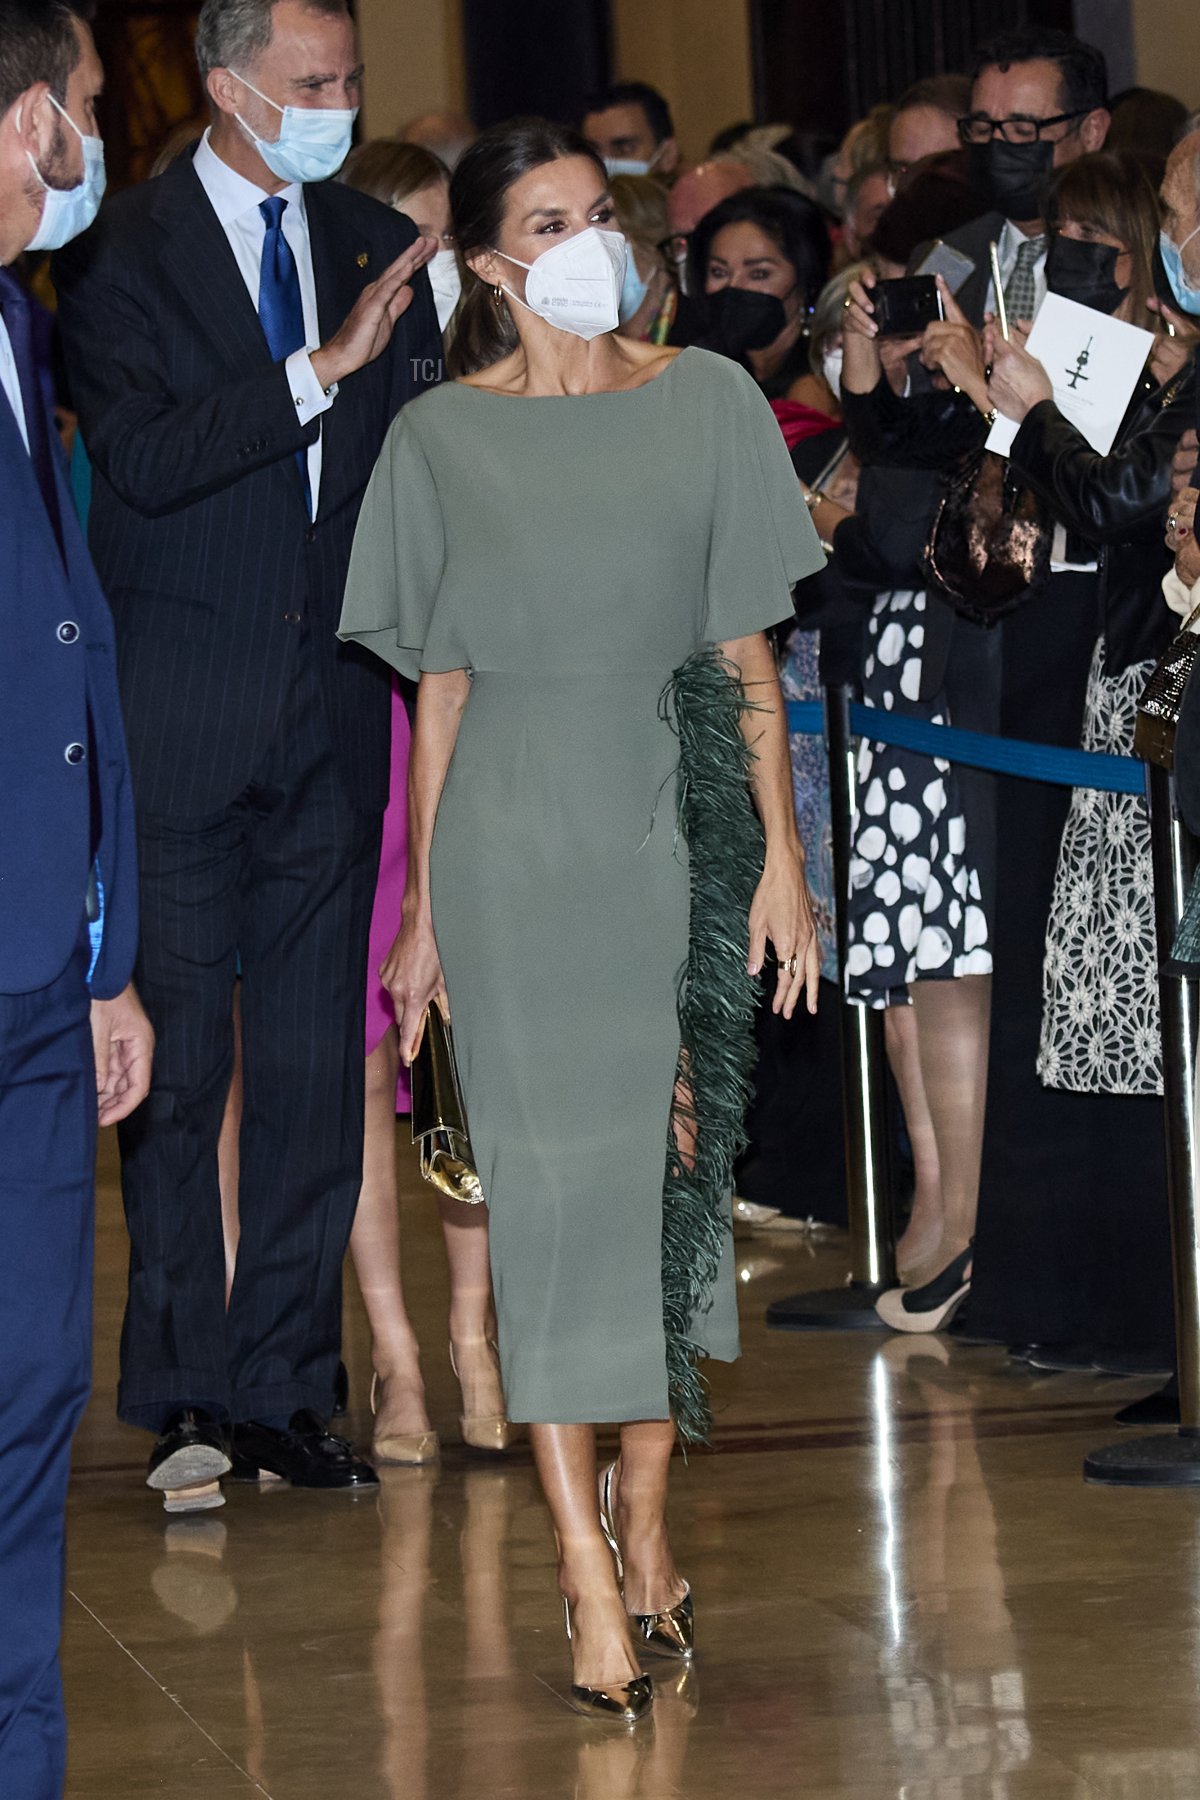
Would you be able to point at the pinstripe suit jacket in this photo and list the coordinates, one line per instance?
(198, 525)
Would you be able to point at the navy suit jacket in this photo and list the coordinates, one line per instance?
(198, 524)
(58, 689)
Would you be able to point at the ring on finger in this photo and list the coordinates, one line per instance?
(789, 963)
(1172, 521)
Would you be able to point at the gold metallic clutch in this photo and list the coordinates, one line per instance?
(439, 1120)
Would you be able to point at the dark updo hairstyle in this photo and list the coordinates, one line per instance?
(795, 225)
(478, 190)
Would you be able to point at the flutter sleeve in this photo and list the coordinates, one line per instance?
(762, 540)
(391, 600)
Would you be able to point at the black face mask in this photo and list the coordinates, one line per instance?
(740, 320)
(1012, 176)
(1084, 272)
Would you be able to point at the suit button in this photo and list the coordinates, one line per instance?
(291, 618)
(68, 631)
(310, 536)
(74, 753)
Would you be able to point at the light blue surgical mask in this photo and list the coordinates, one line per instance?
(629, 165)
(66, 212)
(1187, 295)
(633, 291)
(313, 141)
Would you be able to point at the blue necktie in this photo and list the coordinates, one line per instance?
(18, 322)
(280, 308)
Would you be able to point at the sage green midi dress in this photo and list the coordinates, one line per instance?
(571, 553)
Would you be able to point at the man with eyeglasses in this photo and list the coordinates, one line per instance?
(1038, 100)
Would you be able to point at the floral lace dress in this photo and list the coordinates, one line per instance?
(1100, 1021)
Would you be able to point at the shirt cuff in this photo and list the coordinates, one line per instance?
(310, 397)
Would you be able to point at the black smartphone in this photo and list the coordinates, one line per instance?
(904, 308)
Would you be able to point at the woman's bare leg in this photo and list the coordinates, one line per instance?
(472, 1309)
(652, 1582)
(922, 1240)
(601, 1646)
(375, 1248)
(229, 1152)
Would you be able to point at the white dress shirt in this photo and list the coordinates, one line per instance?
(1007, 245)
(10, 382)
(236, 202)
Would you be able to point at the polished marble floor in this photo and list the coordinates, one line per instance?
(904, 1592)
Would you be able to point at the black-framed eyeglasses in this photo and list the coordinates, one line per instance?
(978, 128)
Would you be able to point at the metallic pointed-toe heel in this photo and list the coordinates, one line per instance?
(674, 1631)
(626, 1705)
(406, 1449)
(608, 1516)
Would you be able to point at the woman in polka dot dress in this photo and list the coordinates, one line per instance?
(915, 910)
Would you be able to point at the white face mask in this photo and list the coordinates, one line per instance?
(576, 284)
(68, 211)
(313, 141)
(629, 165)
(831, 368)
(446, 283)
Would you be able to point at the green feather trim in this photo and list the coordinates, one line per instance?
(704, 704)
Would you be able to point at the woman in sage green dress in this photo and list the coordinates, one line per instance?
(576, 549)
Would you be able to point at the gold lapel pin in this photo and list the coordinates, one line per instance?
(363, 258)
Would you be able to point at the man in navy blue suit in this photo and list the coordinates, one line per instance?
(75, 1045)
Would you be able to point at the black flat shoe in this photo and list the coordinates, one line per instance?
(188, 1460)
(307, 1454)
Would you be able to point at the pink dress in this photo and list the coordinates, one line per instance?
(389, 891)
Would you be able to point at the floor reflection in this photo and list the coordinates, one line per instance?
(943, 1584)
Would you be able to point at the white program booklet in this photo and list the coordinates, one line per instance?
(1094, 364)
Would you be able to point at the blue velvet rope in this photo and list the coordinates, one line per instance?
(980, 750)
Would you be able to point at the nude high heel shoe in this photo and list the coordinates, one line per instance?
(626, 1704)
(672, 1632)
(493, 1432)
(410, 1449)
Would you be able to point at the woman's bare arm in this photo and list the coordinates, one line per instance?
(412, 970)
(782, 907)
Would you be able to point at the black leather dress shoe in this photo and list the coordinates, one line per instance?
(188, 1461)
(307, 1454)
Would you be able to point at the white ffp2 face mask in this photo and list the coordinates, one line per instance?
(576, 284)
(446, 283)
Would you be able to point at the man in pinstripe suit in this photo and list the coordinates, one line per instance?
(239, 337)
